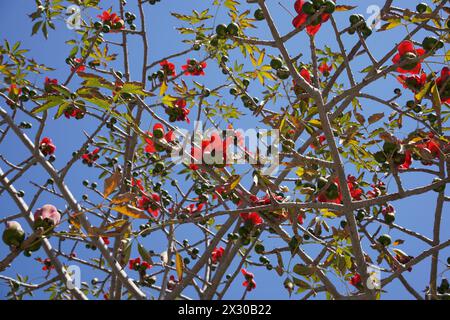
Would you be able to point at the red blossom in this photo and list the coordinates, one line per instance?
(138, 265)
(149, 203)
(194, 68)
(106, 240)
(355, 280)
(112, 20)
(355, 192)
(194, 208)
(318, 144)
(48, 85)
(302, 18)
(47, 147)
(413, 82)
(443, 85)
(158, 131)
(325, 69)
(78, 67)
(168, 68)
(249, 282)
(252, 218)
(90, 157)
(48, 266)
(407, 52)
(408, 161)
(217, 254)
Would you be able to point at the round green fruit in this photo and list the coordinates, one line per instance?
(421, 7)
(385, 240)
(308, 8)
(221, 30)
(389, 217)
(283, 73)
(276, 63)
(440, 188)
(259, 15)
(13, 234)
(233, 29)
(330, 6)
(430, 43)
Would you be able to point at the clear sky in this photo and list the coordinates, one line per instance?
(416, 213)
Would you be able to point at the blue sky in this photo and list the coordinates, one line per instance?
(416, 213)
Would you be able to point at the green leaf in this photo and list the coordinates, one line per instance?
(52, 101)
(302, 270)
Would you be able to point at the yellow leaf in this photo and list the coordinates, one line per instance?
(123, 198)
(111, 183)
(163, 88)
(168, 100)
(179, 265)
(261, 57)
(419, 95)
(391, 24)
(114, 225)
(131, 211)
(344, 8)
(300, 171)
(436, 97)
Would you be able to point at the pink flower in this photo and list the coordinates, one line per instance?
(48, 213)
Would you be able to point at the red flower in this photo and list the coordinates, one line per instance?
(407, 52)
(158, 133)
(355, 192)
(430, 146)
(414, 82)
(78, 67)
(47, 264)
(90, 157)
(214, 148)
(74, 112)
(137, 183)
(194, 68)
(217, 254)
(13, 94)
(302, 17)
(136, 264)
(14, 90)
(168, 68)
(376, 191)
(355, 280)
(194, 208)
(305, 74)
(443, 85)
(249, 282)
(48, 85)
(106, 240)
(321, 139)
(179, 112)
(325, 69)
(408, 161)
(331, 196)
(112, 20)
(150, 204)
(252, 218)
(47, 147)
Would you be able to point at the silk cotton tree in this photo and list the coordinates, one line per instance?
(361, 132)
